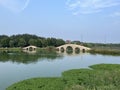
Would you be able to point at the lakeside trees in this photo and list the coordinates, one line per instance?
(23, 40)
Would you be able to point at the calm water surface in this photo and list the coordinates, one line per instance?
(15, 67)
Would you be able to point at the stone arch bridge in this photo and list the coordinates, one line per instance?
(73, 46)
(30, 48)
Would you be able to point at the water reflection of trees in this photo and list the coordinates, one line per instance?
(26, 58)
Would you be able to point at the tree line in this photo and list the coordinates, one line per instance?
(23, 40)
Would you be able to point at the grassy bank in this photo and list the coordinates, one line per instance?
(105, 51)
(49, 48)
(10, 49)
(98, 77)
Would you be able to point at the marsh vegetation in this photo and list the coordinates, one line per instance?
(97, 77)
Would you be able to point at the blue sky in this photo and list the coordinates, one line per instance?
(84, 20)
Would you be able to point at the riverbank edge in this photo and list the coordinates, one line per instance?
(92, 51)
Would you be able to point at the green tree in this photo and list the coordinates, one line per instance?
(53, 41)
(60, 42)
(33, 42)
(21, 42)
(44, 43)
(12, 43)
(39, 43)
(5, 42)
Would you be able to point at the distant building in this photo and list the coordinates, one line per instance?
(68, 41)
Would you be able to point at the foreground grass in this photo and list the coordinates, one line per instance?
(99, 77)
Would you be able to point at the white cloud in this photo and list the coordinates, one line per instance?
(14, 5)
(90, 6)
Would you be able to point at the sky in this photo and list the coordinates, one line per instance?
(84, 20)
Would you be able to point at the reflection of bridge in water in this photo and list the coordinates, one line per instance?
(30, 52)
(71, 53)
(74, 48)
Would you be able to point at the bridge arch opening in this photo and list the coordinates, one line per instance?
(77, 50)
(27, 48)
(69, 49)
(31, 49)
(62, 49)
(57, 49)
(83, 50)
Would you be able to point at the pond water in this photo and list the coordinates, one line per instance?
(19, 66)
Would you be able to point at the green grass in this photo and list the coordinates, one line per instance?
(98, 77)
(115, 52)
(39, 84)
(10, 49)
